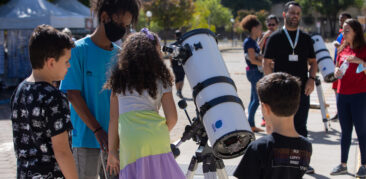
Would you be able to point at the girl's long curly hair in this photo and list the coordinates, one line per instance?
(139, 67)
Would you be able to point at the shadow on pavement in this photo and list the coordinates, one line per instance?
(328, 138)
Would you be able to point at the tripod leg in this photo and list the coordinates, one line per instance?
(209, 169)
(323, 108)
(220, 169)
(192, 168)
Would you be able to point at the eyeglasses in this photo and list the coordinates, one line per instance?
(269, 25)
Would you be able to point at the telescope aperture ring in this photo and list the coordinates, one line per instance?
(222, 99)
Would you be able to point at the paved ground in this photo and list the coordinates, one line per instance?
(326, 147)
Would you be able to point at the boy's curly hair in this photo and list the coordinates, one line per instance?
(139, 67)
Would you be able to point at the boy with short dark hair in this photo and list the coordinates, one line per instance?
(284, 154)
(40, 112)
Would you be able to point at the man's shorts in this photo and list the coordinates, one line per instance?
(178, 71)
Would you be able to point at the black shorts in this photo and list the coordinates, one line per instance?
(178, 71)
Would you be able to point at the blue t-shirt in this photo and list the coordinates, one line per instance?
(250, 43)
(339, 39)
(88, 73)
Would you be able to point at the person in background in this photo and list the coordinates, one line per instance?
(351, 91)
(272, 22)
(254, 64)
(342, 17)
(90, 61)
(178, 70)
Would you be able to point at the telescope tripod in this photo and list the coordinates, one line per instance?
(322, 105)
(212, 166)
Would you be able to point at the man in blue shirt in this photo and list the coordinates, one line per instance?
(90, 61)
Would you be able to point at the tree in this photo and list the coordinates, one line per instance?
(236, 5)
(329, 8)
(170, 13)
(210, 14)
(261, 15)
(143, 22)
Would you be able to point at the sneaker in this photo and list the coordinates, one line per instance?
(179, 94)
(263, 122)
(256, 129)
(310, 170)
(339, 170)
(361, 172)
(334, 118)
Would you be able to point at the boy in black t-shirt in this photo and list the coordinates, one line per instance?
(40, 112)
(284, 154)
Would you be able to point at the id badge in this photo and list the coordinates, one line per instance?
(293, 58)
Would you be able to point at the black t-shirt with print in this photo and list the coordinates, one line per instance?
(39, 112)
(275, 157)
(278, 48)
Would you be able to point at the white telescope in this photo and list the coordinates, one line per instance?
(214, 93)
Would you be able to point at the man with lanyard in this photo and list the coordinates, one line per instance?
(292, 52)
(342, 17)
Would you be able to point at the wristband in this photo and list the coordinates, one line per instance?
(97, 129)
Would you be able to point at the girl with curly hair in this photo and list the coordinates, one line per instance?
(253, 59)
(140, 84)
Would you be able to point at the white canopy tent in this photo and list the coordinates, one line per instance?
(73, 6)
(27, 14)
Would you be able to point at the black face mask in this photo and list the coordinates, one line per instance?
(114, 31)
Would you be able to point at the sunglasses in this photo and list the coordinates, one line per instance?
(269, 25)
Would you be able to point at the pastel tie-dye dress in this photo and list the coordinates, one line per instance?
(144, 138)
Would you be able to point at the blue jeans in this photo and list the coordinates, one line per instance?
(253, 76)
(352, 112)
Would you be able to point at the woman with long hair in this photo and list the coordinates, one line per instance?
(351, 91)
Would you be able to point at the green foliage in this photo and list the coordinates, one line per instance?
(329, 8)
(210, 14)
(143, 21)
(261, 15)
(85, 2)
(170, 14)
(236, 5)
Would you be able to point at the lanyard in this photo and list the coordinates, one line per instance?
(290, 40)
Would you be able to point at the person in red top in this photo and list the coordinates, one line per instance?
(351, 91)
(342, 17)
